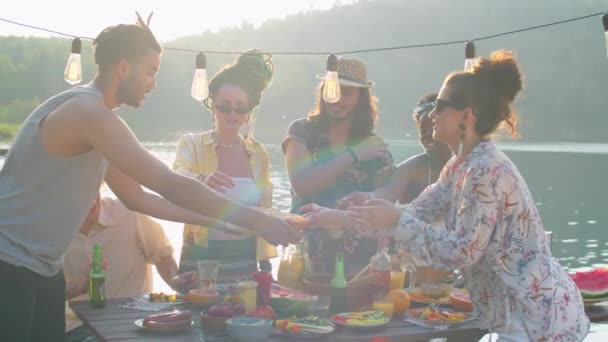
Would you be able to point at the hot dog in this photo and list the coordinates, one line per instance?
(172, 319)
(168, 325)
(169, 316)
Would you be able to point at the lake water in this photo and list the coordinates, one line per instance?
(568, 183)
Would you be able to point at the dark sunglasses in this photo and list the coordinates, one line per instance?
(228, 109)
(442, 104)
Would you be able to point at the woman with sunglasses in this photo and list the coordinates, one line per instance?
(415, 173)
(412, 176)
(229, 160)
(480, 218)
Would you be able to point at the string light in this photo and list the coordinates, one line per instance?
(469, 55)
(605, 22)
(348, 52)
(200, 85)
(331, 93)
(73, 68)
(331, 86)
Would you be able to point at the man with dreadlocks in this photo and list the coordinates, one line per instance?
(52, 173)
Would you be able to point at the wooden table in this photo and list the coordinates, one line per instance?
(113, 323)
(598, 312)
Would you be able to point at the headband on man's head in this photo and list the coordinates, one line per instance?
(141, 22)
(425, 107)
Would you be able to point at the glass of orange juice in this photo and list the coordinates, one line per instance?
(402, 269)
(397, 280)
(384, 304)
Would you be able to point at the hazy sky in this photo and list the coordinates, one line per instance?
(172, 18)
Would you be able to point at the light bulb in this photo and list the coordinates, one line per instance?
(200, 86)
(469, 54)
(331, 86)
(73, 69)
(605, 22)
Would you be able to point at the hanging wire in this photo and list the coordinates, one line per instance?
(346, 52)
(43, 29)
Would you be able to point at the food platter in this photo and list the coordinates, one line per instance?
(427, 300)
(140, 324)
(310, 327)
(438, 316)
(363, 320)
(160, 297)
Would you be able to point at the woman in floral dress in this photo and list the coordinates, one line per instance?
(480, 217)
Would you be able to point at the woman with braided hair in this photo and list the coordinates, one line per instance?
(229, 160)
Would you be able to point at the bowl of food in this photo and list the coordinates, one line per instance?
(461, 301)
(203, 297)
(249, 329)
(430, 275)
(436, 290)
(214, 319)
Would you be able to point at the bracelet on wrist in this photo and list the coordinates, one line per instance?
(353, 155)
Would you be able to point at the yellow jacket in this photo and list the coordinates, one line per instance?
(196, 153)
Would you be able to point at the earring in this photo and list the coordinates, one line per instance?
(248, 134)
(462, 133)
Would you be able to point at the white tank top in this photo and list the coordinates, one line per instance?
(45, 198)
(245, 192)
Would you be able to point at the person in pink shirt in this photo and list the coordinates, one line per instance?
(131, 242)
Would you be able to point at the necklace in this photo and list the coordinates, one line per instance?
(224, 145)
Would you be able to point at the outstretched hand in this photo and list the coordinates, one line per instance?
(354, 198)
(185, 282)
(217, 181)
(279, 232)
(330, 219)
(376, 214)
(370, 148)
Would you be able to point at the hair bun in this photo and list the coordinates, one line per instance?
(256, 67)
(252, 71)
(499, 72)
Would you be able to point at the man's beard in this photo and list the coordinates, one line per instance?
(125, 93)
(337, 118)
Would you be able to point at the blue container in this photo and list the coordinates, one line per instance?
(249, 329)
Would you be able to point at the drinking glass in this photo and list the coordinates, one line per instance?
(207, 273)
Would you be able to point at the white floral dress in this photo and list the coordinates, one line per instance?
(480, 218)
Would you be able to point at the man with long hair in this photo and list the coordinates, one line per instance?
(334, 152)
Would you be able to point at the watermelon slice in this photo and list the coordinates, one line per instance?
(288, 302)
(592, 284)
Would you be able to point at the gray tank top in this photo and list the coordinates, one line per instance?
(45, 198)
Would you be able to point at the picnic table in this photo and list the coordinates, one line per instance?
(598, 312)
(113, 323)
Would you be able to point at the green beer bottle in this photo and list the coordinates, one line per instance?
(97, 280)
(337, 294)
